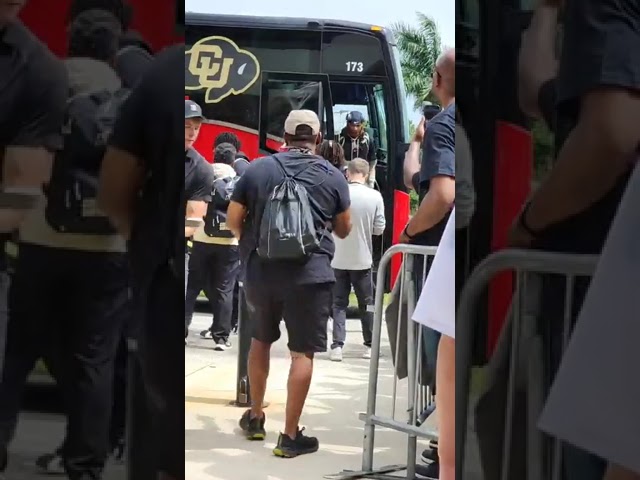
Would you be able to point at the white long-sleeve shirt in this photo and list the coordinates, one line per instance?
(367, 217)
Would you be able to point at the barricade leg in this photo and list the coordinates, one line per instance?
(243, 392)
(140, 465)
(412, 355)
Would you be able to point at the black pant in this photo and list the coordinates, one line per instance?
(363, 286)
(214, 269)
(159, 301)
(68, 307)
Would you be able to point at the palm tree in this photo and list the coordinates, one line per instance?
(420, 47)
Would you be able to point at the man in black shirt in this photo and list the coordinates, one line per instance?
(357, 143)
(142, 192)
(298, 292)
(33, 93)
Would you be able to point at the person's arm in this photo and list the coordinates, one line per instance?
(438, 169)
(236, 214)
(238, 207)
(434, 206)
(28, 159)
(537, 62)
(412, 157)
(379, 221)
(342, 218)
(123, 168)
(195, 209)
(121, 177)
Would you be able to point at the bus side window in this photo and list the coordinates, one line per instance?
(380, 115)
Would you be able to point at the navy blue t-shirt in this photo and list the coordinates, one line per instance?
(438, 158)
(328, 195)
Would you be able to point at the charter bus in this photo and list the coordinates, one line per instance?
(487, 46)
(248, 73)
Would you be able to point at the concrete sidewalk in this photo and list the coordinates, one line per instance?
(215, 449)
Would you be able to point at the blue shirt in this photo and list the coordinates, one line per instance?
(438, 158)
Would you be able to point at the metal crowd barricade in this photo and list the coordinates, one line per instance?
(419, 396)
(541, 462)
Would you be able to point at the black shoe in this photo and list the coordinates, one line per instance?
(253, 427)
(429, 455)
(51, 463)
(206, 335)
(4, 458)
(222, 345)
(428, 472)
(118, 450)
(288, 448)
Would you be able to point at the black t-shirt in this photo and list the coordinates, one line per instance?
(33, 94)
(438, 158)
(198, 179)
(328, 195)
(587, 231)
(150, 128)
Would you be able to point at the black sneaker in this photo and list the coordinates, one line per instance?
(253, 427)
(428, 472)
(222, 345)
(4, 458)
(50, 463)
(429, 455)
(288, 448)
(206, 334)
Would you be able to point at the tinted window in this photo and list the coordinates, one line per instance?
(352, 54)
(236, 98)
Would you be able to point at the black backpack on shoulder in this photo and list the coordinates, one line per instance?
(72, 190)
(215, 221)
(287, 230)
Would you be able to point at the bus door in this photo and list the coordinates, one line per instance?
(489, 37)
(282, 92)
(368, 98)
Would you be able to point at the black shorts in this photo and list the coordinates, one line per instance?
(600, 46)
(305, 310)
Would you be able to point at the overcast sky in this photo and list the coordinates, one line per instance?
(376, 12)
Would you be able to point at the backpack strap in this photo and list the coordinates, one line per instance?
(287, 175)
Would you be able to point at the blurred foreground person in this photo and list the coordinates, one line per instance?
(33, 94)
(142, 191)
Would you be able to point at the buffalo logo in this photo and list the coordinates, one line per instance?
(219, 66)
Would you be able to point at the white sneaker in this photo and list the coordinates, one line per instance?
(336, 354)
(367, 353)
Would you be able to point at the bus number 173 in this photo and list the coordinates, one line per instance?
(355, 67)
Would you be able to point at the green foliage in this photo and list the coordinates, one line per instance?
(414, 201)
(420, 47)
(543, 150)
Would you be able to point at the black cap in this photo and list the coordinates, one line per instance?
(355, 117)
(192, 110)
(225, 153)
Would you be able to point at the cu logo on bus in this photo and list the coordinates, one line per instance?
(219, 66)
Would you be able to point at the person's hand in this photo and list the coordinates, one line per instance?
(418, 136)
(403, 238)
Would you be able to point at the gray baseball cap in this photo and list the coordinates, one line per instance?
(192, 110)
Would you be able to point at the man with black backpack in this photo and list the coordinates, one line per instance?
(283, 210)
(214, 264)
(74, 263)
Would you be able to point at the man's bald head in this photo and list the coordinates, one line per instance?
(445, 74)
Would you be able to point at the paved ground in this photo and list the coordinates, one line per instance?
(216, 451)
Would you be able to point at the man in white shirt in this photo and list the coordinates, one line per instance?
(354, 257)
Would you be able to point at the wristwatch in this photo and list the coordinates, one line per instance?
(522, 222)
(406, 233)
